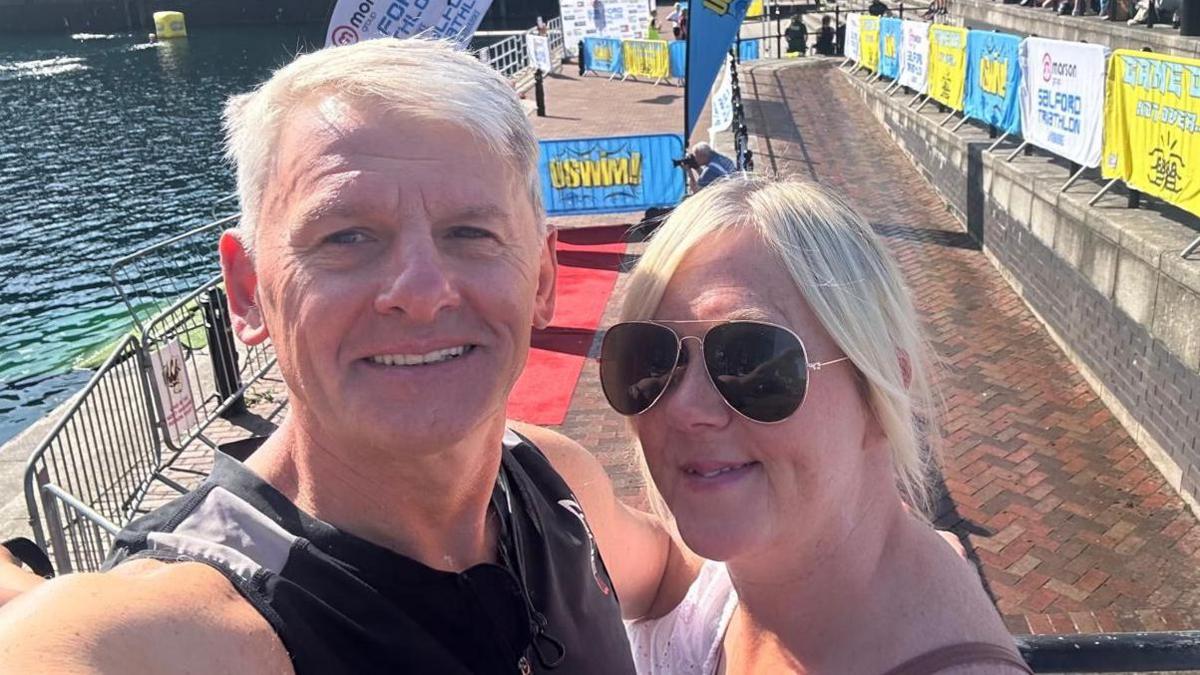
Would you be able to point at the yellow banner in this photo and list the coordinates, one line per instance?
(756, 9)
(948, 65)
(868, 42)
(646, 58)
(1152, 125)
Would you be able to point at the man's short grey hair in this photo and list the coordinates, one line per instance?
(415, 77)
(702, 148)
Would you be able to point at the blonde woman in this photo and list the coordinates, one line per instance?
(772, 365)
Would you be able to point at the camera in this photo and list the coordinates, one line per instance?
(688, 160)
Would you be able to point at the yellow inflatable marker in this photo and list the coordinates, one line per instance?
(169, 25)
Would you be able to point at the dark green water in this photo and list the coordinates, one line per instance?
(107, 143)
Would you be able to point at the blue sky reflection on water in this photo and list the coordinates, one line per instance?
(108, 143)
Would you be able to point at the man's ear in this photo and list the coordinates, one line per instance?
(241, 286)
(543, 304)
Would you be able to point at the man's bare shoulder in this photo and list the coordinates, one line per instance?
(145, 616)
(578, 467)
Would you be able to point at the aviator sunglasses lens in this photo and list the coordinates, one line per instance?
(636, 361)
(761, 370)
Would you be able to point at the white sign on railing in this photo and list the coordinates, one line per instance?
(1062, 98)
(914, 56)
(722, 104)
(538, 48)
(174, 389)
(852, 37)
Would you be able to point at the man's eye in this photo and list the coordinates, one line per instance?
(346, 237)
(469, 232)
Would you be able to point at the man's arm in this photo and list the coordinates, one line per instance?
(14, 580)
(144, 617)
(649, 568)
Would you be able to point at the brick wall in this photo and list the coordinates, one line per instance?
(1106, 281)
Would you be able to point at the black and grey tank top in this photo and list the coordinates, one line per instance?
(342, 604)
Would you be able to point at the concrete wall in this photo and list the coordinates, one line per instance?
(1043, 22)
(1106, 280)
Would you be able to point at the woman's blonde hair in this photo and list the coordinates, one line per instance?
(844, 274)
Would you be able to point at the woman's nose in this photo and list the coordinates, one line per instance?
(692, 401)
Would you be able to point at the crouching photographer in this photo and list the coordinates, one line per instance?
(705, 165)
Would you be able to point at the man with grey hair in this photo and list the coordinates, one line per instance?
(710, 164)
(394, 249)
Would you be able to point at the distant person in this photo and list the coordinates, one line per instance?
(675, 17)
(841, 39)
(877, 8)
(706, 165)
(826, 38)
(683, 25)
(797, 36)
(652, 29)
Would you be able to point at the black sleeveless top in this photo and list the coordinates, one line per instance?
(342, 604)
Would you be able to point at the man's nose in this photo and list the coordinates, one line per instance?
(416, 283)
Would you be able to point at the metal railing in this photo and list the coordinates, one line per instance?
(510, 57)
(88, 477)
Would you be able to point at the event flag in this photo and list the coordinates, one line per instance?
(722, 105)
(914, 56)
(851, 47)
(1062, 97)
(868, 42)
(712, 27)
(1152, 122)
(356, 20)
(994, 79)
(948, 65)
(891, 38)
(610, 175)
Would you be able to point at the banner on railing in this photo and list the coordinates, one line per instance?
(948, 65)
(357, 20)
(868, 42)
(993, 80)
(610, 175)
(748, 50)
(602, 55)
(646, 58)
(712, 27)
(621, 19)
(722, 104)
(891, 36)
(174, 389)
(852, 37)
(1152, 125)
(538, 49)
(1062, 97)
(914, 56)
(678, 51)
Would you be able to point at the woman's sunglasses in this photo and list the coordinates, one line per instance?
(760, 369)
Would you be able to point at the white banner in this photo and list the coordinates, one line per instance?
(174, 389)
(722, 104)
(914, 56)
(852, 37)
(356, 20)
(1062, 97)
(538, 48)
(623, 19)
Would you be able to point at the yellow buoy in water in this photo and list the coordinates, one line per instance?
(169, 25)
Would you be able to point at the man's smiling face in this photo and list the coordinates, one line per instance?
(399, 270)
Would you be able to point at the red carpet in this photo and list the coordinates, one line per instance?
(587, 272)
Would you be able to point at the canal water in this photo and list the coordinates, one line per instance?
(107, 143)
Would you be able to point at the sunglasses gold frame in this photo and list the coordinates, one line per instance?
(679, 340)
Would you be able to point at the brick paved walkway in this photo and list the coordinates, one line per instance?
(1072, 526)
